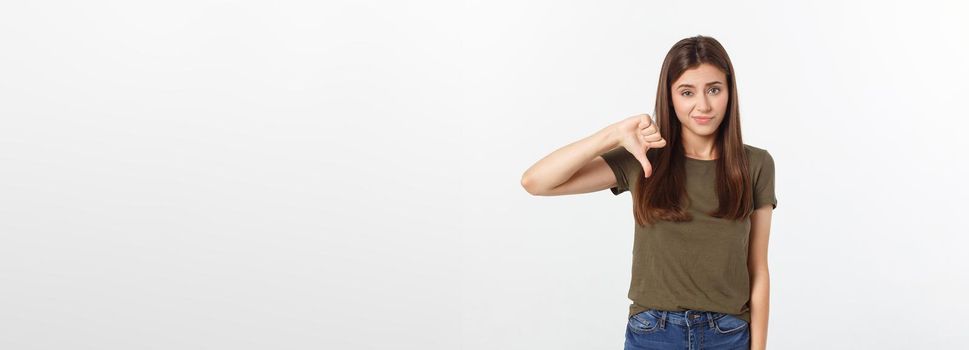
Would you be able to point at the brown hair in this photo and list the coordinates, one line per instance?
(663, 195)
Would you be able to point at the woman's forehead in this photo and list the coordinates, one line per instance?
(702, 75)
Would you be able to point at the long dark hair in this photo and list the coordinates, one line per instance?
(663, 195)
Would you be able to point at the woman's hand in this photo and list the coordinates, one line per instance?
(637, 135)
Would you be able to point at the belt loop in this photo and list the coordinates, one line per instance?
(662, 321)
(710, 319)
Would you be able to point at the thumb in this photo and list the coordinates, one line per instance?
(640, 155)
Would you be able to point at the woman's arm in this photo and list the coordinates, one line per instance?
(579, 168)
(759, 276)
(574, 168)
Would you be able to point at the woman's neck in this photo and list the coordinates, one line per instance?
(699, 147)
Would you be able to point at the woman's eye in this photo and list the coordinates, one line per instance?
(684, 93)
(717, 89)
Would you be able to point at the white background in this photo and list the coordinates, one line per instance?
(345, 174)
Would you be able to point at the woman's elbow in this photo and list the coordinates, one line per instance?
(529, 185)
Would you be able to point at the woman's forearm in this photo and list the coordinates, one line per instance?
(559, 166)
(759, 309)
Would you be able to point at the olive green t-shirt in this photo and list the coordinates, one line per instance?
(701, 264)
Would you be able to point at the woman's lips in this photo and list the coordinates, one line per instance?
(702, 120)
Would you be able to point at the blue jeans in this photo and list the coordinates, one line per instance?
(686, 330)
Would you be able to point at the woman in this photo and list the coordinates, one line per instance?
(702, 202)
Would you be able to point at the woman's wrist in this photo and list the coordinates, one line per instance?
(611, 136)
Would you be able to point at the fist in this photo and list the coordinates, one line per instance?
(638, 134)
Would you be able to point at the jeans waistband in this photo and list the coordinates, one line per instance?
(686, 318)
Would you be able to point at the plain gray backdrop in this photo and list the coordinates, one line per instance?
(345, 174)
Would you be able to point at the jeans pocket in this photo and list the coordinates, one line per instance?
(644, 323)
(729, 324)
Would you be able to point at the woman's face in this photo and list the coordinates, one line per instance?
(700, 99)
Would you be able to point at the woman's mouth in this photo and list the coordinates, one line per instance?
(702, 120)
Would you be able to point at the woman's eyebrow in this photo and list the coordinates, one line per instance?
(688, 85)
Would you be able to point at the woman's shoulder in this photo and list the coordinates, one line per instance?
(754, 149)
(757, 155)
(759, 159)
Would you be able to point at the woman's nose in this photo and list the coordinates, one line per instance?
(703, 105)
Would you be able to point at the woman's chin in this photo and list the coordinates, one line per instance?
(703, 131)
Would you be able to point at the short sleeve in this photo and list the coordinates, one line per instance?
(764, 183)
(625, 166)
